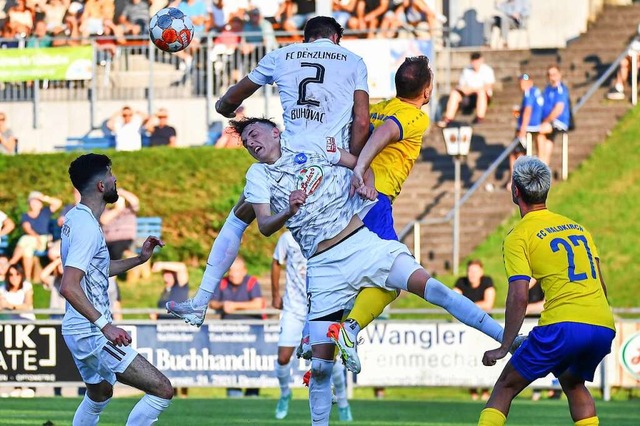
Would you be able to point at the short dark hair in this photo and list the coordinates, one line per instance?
(84, 169)
(238, 126)
(476, 55)
(413, 76)
(322, 27)
(477, 262)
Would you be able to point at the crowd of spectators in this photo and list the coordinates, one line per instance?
(63, 22)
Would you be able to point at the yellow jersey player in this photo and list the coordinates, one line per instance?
(576, 326)
(398, 125)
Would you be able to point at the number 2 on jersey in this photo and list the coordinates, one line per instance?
(302, 87)
(574, 241)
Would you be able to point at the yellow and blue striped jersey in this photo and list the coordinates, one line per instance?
(392, 165)
(561, 255)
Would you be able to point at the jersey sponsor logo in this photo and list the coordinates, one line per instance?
(331, 144)
(300, 158)
(309, 179)
(630, 356)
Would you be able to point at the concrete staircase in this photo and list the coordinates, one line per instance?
(428, 193)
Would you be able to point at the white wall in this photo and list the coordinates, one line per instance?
(59, 120)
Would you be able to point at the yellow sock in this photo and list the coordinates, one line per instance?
(491, 417)
(589, 421)
(369, 304)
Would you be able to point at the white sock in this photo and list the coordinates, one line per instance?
(283, 373)
(320, 391)
(339, 384)
(88, 412)
(463, 309)
(223, 252)
(147, 410)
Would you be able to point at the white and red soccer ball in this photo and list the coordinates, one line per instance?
(171, 30)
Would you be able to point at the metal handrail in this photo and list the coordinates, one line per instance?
(494, 165)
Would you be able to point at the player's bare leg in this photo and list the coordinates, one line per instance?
(509, 385)
(142, 375)
(581, 404)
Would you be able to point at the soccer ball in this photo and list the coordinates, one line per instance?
(171, 30)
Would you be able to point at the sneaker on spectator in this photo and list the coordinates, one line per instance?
(616, 94)
(478, 120)
(193, 315)
(346, 346)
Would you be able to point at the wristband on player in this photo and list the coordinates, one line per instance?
(101, 322)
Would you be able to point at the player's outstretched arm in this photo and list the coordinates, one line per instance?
(117, 267)
(236, 94)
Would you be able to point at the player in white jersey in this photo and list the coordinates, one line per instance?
(292, 319)
(324, 93)
(101, 350)
(309, 194)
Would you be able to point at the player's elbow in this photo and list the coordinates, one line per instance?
(361, 122)
(266, 230)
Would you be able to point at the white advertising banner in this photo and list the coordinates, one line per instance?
(383, 57)
(431, 354)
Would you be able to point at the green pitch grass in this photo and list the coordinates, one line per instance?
(260, 411)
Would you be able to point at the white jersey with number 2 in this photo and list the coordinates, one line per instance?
(316, 81)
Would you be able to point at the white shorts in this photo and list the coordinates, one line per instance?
(336, 275)
(291, 326)
(98, 359)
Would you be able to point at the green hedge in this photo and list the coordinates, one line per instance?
(192, 189)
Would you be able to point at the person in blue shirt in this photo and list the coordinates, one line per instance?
(556, 113)
(529, 118)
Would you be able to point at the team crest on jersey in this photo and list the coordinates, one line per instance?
(331, 144)
(300, 158)
(309, 179)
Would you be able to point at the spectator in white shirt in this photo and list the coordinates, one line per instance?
(126, 126)
(474, 88)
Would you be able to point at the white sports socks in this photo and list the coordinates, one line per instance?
(320, 391)
(223, 252)
(88, 412)
(147, 410)
(463, 309)
(283, 373)
(339, 384)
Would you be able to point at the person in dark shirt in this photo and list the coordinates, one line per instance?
(161, 134)
(176, 281)
(238, 292)
(479, 289)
